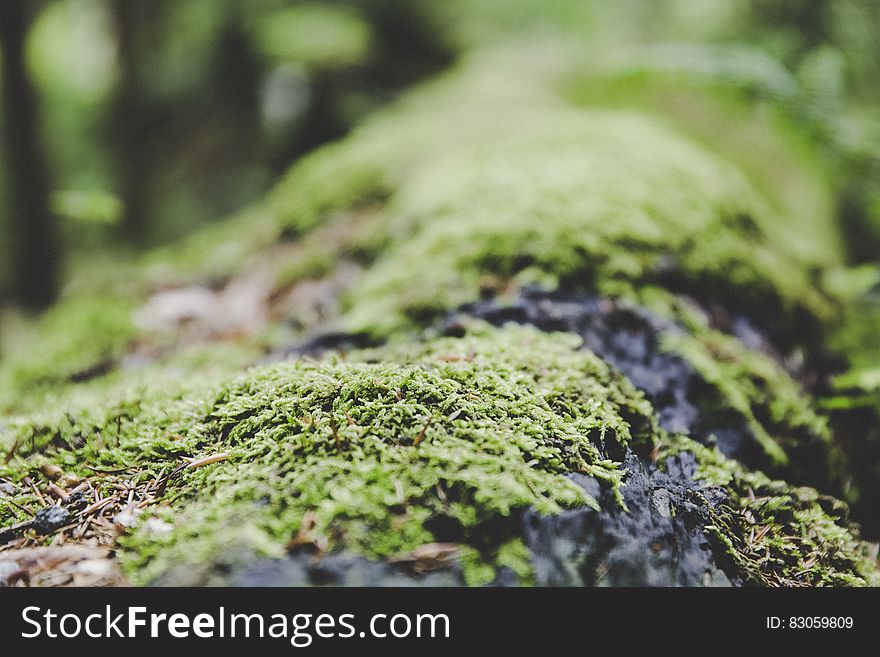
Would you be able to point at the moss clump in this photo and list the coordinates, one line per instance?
(492, 184)
(696, 89)
(459, 434)
(510, 183)
(792, 436)
(397, 448)
(483, 180)
(779, 535)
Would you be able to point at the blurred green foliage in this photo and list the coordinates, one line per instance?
(316, 35)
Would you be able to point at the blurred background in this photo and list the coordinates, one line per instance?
(127, 124)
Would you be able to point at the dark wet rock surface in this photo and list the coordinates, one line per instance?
(659, 542)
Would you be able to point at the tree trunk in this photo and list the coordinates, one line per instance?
(35, 243)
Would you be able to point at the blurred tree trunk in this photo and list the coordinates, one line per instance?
(132, 123)
(410, 44)
(35, 243)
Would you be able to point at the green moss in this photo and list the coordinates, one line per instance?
(334, 179)
(483, 181)
(473, 185)
(490, 182)
(370, 453)
(515, 555)
(775, 409)
(853, 401)
(493, 184)
(855, 392)
(470, 430)
(698, 88)
(779, 535)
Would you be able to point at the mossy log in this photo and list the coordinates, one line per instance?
(507, 331)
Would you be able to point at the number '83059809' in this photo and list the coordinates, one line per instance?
(810, 623)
